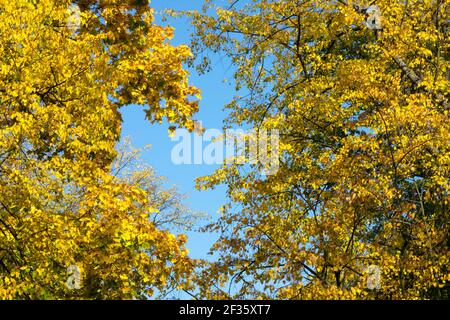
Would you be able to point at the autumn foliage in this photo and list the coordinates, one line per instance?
(61, 89)
(362, 105)
(358, 91)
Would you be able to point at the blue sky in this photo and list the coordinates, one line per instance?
(215, 94)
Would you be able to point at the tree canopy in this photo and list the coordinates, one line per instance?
(360, 95)
(359, 206)
(64, 75)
